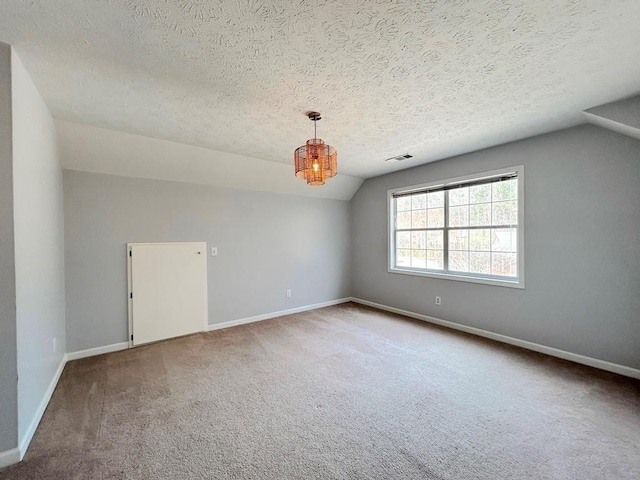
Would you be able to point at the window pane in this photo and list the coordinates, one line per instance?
(403, 203)
(435, 199)
(419, 202)
(459, 216)
(504, 264)
(480, 215)
(459, 196)
(506, 190)
(480, 262)
(403, 239)
(476, 234)
(418, 258)
(419, 219)
(480, 194)
(504, 240)
(435, 259)
(459, 240)
(418, 240)
(459, 261)
(505, 213)
(435, 217)
(480, 240)
(403, 220)
(403, 258)
(435, 240)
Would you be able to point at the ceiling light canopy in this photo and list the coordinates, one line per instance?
(315, 161)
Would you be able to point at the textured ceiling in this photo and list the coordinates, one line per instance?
(433, 78)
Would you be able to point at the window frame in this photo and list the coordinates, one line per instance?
(510, 282)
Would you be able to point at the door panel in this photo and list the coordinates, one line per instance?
(169, 286)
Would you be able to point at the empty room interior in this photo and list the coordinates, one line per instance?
(364, 239)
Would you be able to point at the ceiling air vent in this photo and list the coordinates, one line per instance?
(399, 158)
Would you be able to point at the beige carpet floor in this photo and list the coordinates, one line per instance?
(345, 392)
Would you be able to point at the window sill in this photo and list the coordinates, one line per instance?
(515, 283)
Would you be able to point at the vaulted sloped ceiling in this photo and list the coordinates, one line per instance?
(622, 116)
(432, 78)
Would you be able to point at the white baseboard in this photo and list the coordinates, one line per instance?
(9, 457)
(116, 347)
(90, 352)
(282, 313)
(15, 455)
(536, 347)
(24, 443)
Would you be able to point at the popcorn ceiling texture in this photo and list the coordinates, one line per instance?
(434, 78)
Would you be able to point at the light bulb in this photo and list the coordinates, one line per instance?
(315, 167)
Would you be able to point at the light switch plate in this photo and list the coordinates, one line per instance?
(214, 251)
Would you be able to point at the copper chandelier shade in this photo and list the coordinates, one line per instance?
(315, 161)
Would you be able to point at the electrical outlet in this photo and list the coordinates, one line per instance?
(438, 300)
(288, 293)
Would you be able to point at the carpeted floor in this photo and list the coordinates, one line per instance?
(344, 392)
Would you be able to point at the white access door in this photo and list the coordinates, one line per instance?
(168, 290)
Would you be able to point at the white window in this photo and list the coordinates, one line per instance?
(468, 228)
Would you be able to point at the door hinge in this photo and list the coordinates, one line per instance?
(131, 295)
(130, 254)
(132, 338)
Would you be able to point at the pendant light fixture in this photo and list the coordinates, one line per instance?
(316, 161)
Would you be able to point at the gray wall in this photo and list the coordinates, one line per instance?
(8, 368)
(39, 247)
(582, 225)
(267, 243)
